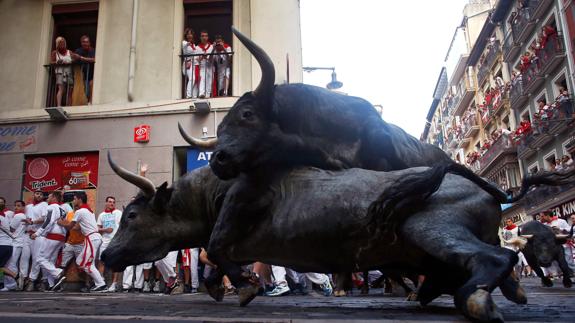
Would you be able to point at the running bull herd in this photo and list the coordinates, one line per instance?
(316, 181)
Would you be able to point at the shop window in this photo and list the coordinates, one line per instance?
(212, 76)
(70, 73)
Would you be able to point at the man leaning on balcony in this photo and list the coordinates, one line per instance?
(87, 55)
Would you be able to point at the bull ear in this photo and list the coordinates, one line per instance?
(162, 197)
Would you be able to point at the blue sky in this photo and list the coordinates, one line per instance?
(388, 52)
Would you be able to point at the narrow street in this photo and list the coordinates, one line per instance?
(545, 305)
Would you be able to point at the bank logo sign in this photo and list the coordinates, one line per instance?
(197, 158)
(16, 139)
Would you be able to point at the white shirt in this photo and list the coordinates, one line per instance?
(18, 227)
(37, 211)
(87, 221)
(561, 224)
(508, 235)
(109, 220)
(54, 212)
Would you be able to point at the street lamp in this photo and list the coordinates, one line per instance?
(334, 84)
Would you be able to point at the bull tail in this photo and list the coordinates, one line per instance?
(404, 196)
(544, 178)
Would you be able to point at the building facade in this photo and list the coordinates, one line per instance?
(138, 89)
(506, 114)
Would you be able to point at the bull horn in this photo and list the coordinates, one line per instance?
(562, 236)
(526, 236)
(199, 143)
(268, 70)
(141, 182)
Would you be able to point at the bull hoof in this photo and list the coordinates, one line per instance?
(480, 307)
(217, 292)
(247, 293)
(339, 293)
(567, 283)
(512, 290)
(411, 297)
(546, 282)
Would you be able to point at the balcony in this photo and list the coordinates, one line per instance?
(490, 58)
(465, 93)
(522, 25)
(524, 150)
(75, 90)
(510, 48)
(542, 194)
(197, 83)
(471, 127)
(557, 123)
(552, 54)
(531, 78)
(499, 149)
(517, 97)
(540, 8)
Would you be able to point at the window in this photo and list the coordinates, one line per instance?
(70, 78)
(214, 78)
(550, 160)
(533, 168)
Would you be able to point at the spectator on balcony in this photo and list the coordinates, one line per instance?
(525, 62)
(507, 137)
(86, 54)
(563, 102)
(190, 66)
(62, 58)
(206, 65)
(545, 112)
(223, 63)
(547, 33)
(567, 162)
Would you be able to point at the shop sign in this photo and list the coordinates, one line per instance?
(15, 139)
(142, 133)
(565, 210)
(197, 158)
(62, 171)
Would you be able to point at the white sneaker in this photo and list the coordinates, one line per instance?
(279, 290)
(156, 288)
(111, 289)
(5, 289)
(146, 288)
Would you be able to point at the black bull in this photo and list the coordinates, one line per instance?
(542, 248)
(322, 221)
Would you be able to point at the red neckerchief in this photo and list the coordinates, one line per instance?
(3, 212)
(207, 46)
(109, 210)
(86, 206)
(511, 227)
(36, 203)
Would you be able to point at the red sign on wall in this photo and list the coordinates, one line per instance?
(142, 133)
(62, 171)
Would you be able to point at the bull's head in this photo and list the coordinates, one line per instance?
(546, 245)
(146, 232)
(240, 132)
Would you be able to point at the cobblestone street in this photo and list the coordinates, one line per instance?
(545, 305)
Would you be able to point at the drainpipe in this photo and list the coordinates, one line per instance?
(568, 48)
(132, 65)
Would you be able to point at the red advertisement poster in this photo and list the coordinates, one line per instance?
(61, 171)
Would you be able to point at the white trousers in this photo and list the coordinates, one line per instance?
(190, 258)
(280, 272)
(70, 251)
(206, 77)
(191, 86)
(166, 265)
(12, 265)
(223, 80)
(35, 249)
(569, 254)
(87, 259)
(46, 258)
(26, 256)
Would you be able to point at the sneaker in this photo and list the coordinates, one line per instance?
(126, 289)
(5, 289)
(326, 288)
(59, 280)
(98, 289)
(112, 288)
(174, 288)
(279, 290)
(146, 288)
(156, 288)
(194, 291)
